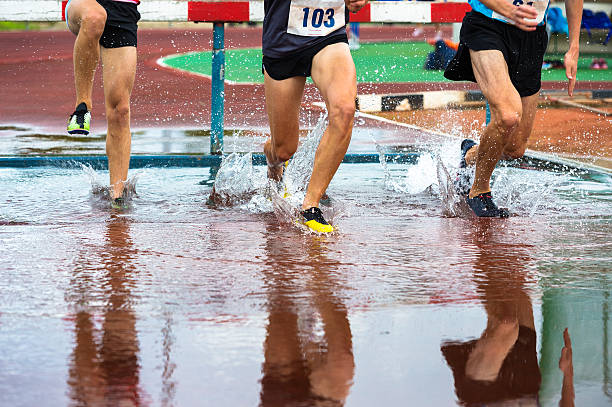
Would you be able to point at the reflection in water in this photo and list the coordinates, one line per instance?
(105, 367)
(308, 347)
(502, 365)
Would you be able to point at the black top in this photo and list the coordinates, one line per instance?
(278, 43)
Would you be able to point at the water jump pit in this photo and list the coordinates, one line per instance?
(184, 300)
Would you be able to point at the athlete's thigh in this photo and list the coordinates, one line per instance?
(333, 71)
(118, 72)
(283, 101)
(491, 72)
(76, 9)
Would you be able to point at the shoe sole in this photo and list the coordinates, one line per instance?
(79, 132)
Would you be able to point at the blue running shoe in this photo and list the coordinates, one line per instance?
(483, 206)
(465, 176)
(466, 145)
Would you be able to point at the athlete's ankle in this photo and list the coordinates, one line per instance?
(87, 103)
(474, 192)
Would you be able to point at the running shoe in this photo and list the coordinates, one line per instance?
(465, 176)
(483, 206)
(466, 145)
(119, 203)
(313, 219)
(79, 121)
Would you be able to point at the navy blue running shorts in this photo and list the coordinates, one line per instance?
(121, 24)
(299, 64)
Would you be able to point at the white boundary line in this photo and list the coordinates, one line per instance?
(160, 62)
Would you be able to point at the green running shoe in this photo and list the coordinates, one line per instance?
(79, 120)
(120, 204)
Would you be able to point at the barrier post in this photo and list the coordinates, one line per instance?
(218, 89)
(354, 36)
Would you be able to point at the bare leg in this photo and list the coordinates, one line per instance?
(283, 100)
(517, 144)
(86, 19)
(333, 71)
(492, 76)
(119, 70)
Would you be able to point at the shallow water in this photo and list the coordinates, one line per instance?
(177, 302)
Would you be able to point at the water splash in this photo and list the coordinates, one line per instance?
(235, 182)
(526, 192)
(297, 174)
(102, 192)
(451, 201)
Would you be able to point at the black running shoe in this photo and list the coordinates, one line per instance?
(79, 121)
(466, 145)
(483, 206)
(465, 176)
(314, 220)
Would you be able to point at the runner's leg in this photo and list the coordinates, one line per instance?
(333, 72)
(118, 71)
(283, 100)
(517, 144)
(491, 73)
(86, 19)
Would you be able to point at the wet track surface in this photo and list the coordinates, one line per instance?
(177, 302)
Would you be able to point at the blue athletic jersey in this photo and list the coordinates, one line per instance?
(541, 6)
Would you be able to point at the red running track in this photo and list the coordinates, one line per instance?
(36, 78)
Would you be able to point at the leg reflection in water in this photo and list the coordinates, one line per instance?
(105, 368)
(308, 348)
(501, 365)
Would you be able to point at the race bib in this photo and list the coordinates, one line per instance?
(539, 5)
(315, 18)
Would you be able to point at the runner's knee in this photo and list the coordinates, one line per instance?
(93, 22)
(509, 119)
(342, 114)
(119, 113)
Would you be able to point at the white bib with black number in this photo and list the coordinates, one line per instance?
(315, 18)
(540, 6)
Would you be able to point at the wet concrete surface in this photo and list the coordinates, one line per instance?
(176, 302)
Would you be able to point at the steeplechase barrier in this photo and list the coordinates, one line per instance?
(221, 12)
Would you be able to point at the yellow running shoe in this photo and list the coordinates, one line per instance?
(313, 220)
(79, 121)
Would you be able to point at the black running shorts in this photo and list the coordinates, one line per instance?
(299, 64)
(522, 50)
(121, 24)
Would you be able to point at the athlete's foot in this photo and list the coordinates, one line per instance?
(466, 145)
(313, 219)
(79, 121)
(465, 175)
(275, 171)
(483, 206)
